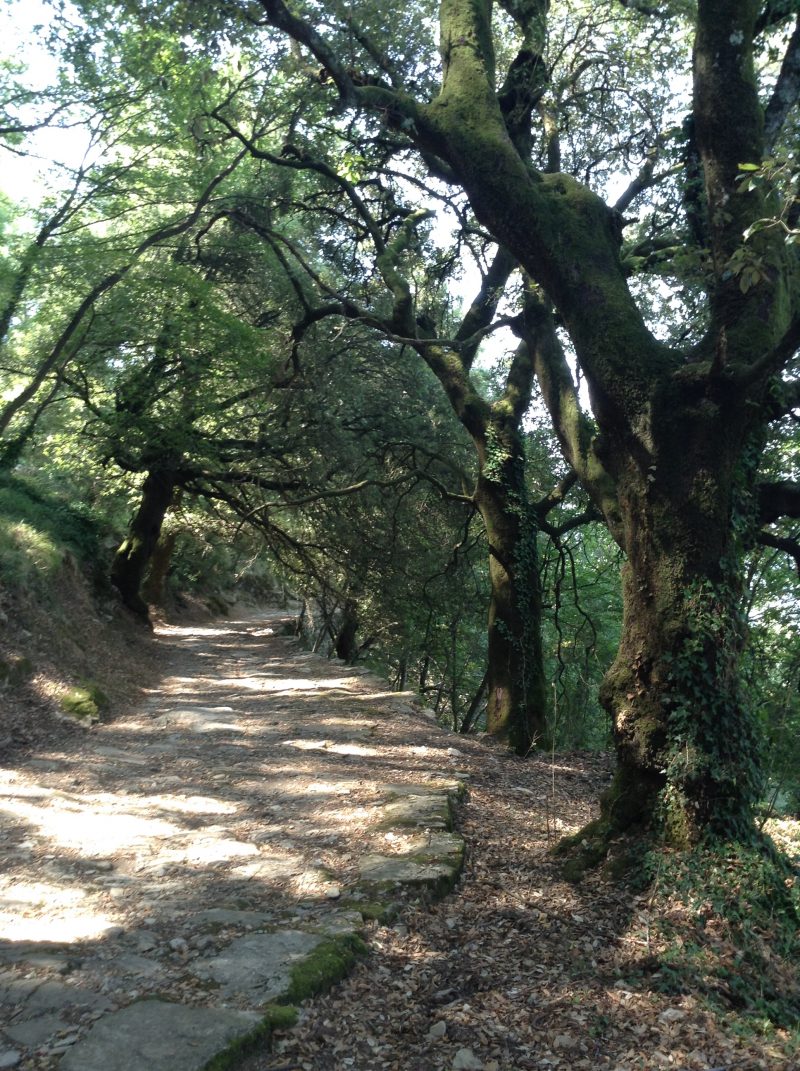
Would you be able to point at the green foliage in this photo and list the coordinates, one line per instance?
(773, 666)
(581, 626)
(726, 929)
(713, 751)
(38, 530)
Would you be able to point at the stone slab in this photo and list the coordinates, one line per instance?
(432, 859)
(35, 1032)
(39, 997)
(157, 1036)
(228, 916)
(259, 966)
(398, 870)
(429, 811)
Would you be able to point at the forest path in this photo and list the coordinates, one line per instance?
(201, 849)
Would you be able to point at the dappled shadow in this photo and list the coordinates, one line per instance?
(247, 783)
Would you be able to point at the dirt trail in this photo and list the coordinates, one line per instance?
(245, 795)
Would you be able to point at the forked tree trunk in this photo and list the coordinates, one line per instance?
(133, 556)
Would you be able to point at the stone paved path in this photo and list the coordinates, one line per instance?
(176, 873)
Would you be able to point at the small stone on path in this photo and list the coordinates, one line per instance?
(466, 1060)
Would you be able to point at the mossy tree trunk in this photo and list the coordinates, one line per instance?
(517, 708)
(686, 745)
(135, 553)
(678, 433)
(160, 561)
(515, 685)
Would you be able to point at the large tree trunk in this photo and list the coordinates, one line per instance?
(516, 692)
(686, 748)
(131, 560)
(673, 444)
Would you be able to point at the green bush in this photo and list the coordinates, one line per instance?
(37, 531)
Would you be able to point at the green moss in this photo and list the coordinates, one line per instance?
(276, 1017)
(330, 961)
(585, 849)
(374, 910)
(85, 702)
(725, 921)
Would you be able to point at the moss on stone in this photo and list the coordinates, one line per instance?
(585, 849)
(276, 1017)
(85, 702)
(382, 911)
(330, 961)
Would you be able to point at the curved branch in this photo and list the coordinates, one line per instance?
(279, 16)
(786, 93)
(784, 543)
(481, 312)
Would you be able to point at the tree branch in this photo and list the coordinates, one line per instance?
(59, 352)
(573, 428)
(786, 93)
(279, 16)
(778, 499)
(787, 545)
(481, 312)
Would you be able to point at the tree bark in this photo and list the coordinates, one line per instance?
(160, 561)
(670, 457)
(686, 747)
(515, 685)
(346, 646)
(134, 554)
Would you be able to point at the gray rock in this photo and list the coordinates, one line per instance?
(35, 1032)
(466, 1060)
(10, 1058)
(129, 964)
(46, 960)
(52, 996)
(434, 860)
(259, 966)
(228, 916)
(201, 941)
(160, 1037)
(430, 811)
(144, 940)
